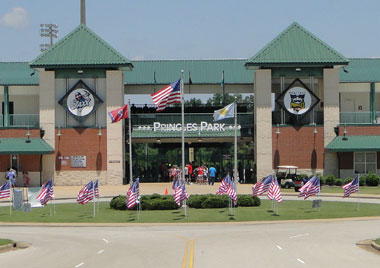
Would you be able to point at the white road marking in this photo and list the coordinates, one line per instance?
(301, 261)
(79, 264)
(297, 236)
(280, 248)
(105, 240)
(100, 251)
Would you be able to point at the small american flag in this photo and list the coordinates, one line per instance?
(312, 187)
(168, 95)
(262, 186)
(274, 191)
(133, 194)
(351, 187)
(86, 194)
(47, 192)
(96, 186)
(5, 190)
(223, 187)
(232, 192)
(180, 193)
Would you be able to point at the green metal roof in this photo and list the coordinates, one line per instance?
(17, 73)
(361, 70)
(82, 48)
(296, 45)
(20, 146)
(141, 133)
(201, 71)
(354, 143)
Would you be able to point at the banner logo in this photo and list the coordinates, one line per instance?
(80, 102)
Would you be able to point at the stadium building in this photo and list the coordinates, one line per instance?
(313, 108)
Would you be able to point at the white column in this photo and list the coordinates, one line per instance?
(47, 120)
(331, 117)
(263, 122)
(115, 131)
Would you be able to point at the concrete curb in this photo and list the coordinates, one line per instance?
(375, 245)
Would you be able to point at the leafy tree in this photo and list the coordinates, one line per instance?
(193, 102)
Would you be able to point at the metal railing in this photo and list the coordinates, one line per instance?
(355, 118)
(22, 120)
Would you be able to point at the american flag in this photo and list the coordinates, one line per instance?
(168, 95)
(351, 187)
(227, 186)
(133, 194)
(86, 194)
(96, 186)
(47, 192)
(5, 190)
(312, 187)
(180, 194)
(262, 186)
(274, 191)
(223, 187)
(175, 184)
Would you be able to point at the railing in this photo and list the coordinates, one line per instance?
(355, 117)
(23, 120)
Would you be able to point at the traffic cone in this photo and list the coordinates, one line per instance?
(166, 191)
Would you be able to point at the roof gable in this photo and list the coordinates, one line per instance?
(82, 47)
(296, 45)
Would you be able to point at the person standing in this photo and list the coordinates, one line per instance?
(212, 173)
(12, 177)
(26, 178)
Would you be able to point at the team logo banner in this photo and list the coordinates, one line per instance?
(297, 99)
(80, 101)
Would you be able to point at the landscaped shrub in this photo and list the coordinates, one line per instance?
(348, 180)
(362, 181)
(215, 201)
(248, 201)
(330, 180)
(195, 201)
(338, 182)
(166, 202)
(322, 180)
(372, 179)
(118, 202)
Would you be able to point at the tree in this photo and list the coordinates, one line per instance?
(223, 99)
(193, 102)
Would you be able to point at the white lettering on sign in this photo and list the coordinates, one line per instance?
(203, 126)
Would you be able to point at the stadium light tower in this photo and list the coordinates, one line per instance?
(48, 30)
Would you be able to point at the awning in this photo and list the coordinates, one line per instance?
(354, 144)
(24, 146)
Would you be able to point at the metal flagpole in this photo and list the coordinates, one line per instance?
(130, 141)
(52, 181)
(235, 146)
(183, 135)
(10, 198)
(93, 197)
(358, 197)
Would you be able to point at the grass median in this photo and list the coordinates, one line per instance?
(4, 242)
(288, 210)
(370, 190)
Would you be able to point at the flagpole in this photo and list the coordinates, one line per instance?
(358, 196)
(93, 197)
(183, 135)
(10, 198)
(235, 145)
(130, 141)
(52, 181)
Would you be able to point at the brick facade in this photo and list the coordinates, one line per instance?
(81, 142)
(298, 146)
(360, 130)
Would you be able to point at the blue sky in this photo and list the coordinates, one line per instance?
(197, 29)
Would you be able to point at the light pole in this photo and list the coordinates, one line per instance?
(48, 30)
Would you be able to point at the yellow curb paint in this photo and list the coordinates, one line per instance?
(191, 258)
(185, 254)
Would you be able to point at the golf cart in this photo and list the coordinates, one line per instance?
(287, 177)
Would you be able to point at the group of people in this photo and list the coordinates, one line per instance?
(11, 176)
(201, 174)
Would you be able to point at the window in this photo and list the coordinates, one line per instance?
(365, 162)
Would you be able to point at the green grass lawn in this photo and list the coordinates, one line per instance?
(339, 190)
(288, 210)
(4, 242)
(377, 241)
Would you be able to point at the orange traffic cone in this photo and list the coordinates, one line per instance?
(166, 191)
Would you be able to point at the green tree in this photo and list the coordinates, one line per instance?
(193, 102)
(224, 99)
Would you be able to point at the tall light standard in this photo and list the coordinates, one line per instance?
(48, 30)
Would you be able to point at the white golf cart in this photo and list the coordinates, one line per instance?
(287, 177)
